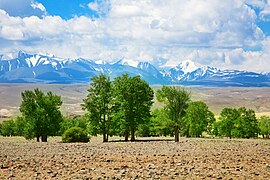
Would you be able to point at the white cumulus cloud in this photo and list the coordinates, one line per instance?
(93, 6)
(39, 6)
(209, 32)
(23, 8)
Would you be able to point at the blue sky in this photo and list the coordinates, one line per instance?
(68, 9)
(231, 34)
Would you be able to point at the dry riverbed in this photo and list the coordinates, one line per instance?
(188, 159)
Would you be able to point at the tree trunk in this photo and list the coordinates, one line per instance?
(132, 134)
(126, 134)
(187, 133)
(44, 138)
(105, 137)
(176, 134)
(37, 138)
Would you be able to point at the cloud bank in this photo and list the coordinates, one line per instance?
(224, 34)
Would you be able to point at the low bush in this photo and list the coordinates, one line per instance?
(75, 134)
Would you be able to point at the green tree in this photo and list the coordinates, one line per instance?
(241, 123)
(133, 97)
(41, 113)
(216, 128)
(77, 121)
(160, 123)
(228, 117)
(246, 126)
(198, 119)
(122, 96)
(176, 102)
(264, 124)
(13, 127)
(99, 105)
(19, 126)
(8, 128)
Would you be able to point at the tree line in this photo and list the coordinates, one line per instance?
(123, 107)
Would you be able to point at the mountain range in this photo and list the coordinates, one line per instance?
(37, 68)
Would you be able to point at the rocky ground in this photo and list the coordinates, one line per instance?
(188, 159)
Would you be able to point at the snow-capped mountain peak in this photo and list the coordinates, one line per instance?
(128, 62)
(187, 66)
(39, 68)
(101, 62)
(33, 60)
(47, 55)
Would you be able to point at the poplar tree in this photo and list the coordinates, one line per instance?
(133, 98)
(176, 101)
(99, 105)
(41, 114)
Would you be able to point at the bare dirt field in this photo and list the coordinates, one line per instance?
(216, 98)
(188, 159)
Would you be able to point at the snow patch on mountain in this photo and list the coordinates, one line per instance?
(100, 62)
(128, 62)
(187, 66)
(33, 60)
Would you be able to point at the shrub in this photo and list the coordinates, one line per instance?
(8, 128)
(75, 134)
(69, 122)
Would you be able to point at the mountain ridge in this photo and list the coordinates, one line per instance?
(40, 68)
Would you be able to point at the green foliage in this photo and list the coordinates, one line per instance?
(144, 130)
(75, 134)
(246, 125)
(122, 107)
(13, 127)
(99, 105)
(216, 131)
(133, 100)
(19, 128)
(228, 117)
(69, 122)
(176, 102)
(240, 123)
(264, 124)
(160, 123)
(8, 128)
(41, 113)
(198, 119)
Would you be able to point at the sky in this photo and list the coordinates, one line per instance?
(231, 34)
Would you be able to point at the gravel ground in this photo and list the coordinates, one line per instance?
(188, 159)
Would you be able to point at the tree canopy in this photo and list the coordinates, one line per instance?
(41, 113)
(198, 119)
(176, 101)
(228, 117)
(123, 107)
(240, 123)
(99, 105)
(133, 97)
(264, 124)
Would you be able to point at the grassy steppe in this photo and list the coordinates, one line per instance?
(72, 95)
